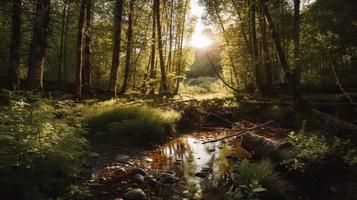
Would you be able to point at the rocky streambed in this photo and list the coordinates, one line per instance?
(182, 168)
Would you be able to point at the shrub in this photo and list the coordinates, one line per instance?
(315, 151)
(112, 122)
(40, 154)
(251, 180)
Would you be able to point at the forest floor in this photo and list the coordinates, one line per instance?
(182, 148)
(186, 167)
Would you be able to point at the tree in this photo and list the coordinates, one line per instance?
(294, 86)
(164, 86)
(118, 11)
(152, 73)
(38, 46)
(79, 51)
(15, 44)
(296, 38)
(128, 48)
(87, 66)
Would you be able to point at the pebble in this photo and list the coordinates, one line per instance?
(121, 157)
(135, 194)
(138, 179)
(93, 155)
(138, 171)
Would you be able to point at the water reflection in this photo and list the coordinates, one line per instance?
(186, 155)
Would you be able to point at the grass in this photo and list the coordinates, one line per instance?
(112, 121)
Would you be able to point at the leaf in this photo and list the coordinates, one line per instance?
(259, 189)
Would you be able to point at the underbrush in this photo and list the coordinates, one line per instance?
(42, 149)
(110, 121)
(317, 151)
(254, 181)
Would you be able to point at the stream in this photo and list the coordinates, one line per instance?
(191, 162)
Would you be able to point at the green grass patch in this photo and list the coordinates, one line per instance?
(110, 121)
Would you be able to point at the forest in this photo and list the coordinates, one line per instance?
(178, 99)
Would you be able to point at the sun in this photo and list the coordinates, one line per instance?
(200, 41)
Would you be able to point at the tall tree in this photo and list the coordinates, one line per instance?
(38, 46)
(118, 12)
(62, 39)
(152, 72)
(128, 48)
(14, 57)
(87, 66)
(294, 86)
(164, 86)
(79, 51)
(296, 38)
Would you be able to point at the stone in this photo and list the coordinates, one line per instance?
(138, 179)
(150, 180)
(121, 157)
(138, 171)
(168, 178)
(149, 159)
(134, 194)
(93, 155)
(118, 199)
(201, 174)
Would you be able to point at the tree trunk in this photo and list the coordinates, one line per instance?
(60, 53)
(164, 87)
(152, 74)
(296, 35)
(14, 57)
(128, 48)
(87, 67)
(268, 78)
(79, 51)
(294, 86)
(65, 65)
(179, 66)
(116, 47)
(38, 46)
(256, 60)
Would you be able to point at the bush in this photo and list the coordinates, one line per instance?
(111, 122)
(251, 180)
(40, 153)
(316, 151)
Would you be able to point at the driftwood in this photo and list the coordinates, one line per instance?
(261, 147)
(240, 133)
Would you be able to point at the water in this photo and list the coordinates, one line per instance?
(187, 155)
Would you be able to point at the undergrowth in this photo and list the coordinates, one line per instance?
(41, 150)
(254, 181)
(110, 121)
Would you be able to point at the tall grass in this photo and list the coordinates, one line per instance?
(110, 121)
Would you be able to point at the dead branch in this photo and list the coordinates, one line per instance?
(240, 132)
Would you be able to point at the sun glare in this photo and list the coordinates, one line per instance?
(201, 41)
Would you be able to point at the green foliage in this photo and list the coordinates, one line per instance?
(111, 122)
(316, 151)
(251, 180)
(40, 152)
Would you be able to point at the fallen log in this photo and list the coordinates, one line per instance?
(337, 123)
(261, 147)
(240, 133)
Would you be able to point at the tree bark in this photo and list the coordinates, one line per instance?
(128, 49)
(15, 45)
(164, 87)
(296, 35)
(38, 46)
(152, 74)
(87, 66)
(294, 86)
(79, 51)
(116, 47)
(179, 65)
